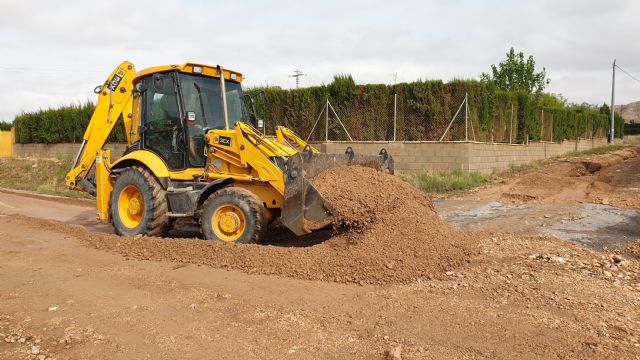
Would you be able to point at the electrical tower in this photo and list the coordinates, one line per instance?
(297, 74)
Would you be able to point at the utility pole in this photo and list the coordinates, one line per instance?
(613, 95)
(297, 74)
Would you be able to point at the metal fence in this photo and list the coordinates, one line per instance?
(457, 120)
(394, 123)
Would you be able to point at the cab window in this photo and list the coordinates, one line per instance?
(163, 132)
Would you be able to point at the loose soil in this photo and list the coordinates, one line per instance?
(390, 276)
(592, 179)
(385, 232)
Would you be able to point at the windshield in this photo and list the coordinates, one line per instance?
(201, 95)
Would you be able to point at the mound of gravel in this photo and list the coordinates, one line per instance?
(390, 227)
(386, 231)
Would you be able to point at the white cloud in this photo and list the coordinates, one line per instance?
(575, 40)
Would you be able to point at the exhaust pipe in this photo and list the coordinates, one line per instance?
(223, 93)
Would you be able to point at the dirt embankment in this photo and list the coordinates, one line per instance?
(386, 232)
(593, 179)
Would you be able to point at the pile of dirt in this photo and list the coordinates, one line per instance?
(387, 222)
(393, 236)
(361, 196)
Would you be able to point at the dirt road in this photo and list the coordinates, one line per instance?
(523, 294)
(594, 201)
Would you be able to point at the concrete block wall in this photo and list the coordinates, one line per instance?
(486, 158)
(466, 156)
(59, 151)
(408, 156)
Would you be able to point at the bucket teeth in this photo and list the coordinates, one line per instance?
(304, 209)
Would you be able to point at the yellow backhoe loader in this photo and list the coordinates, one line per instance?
(195, 151)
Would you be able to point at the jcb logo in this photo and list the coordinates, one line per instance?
(115, 81)
(224, 140)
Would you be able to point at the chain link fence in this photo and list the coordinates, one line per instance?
(459, 119)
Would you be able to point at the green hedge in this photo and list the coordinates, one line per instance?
(5, 126)
(569, 123)
(632, 129)
(424, 110)
(64, 124)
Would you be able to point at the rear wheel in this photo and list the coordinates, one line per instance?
(138, 204)
(234, 215)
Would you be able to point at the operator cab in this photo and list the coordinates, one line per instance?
(178, 105)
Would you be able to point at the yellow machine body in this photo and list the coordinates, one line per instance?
(266, 172)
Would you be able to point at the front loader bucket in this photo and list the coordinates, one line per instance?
(304, 209)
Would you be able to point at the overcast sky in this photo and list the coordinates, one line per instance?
(56, 52)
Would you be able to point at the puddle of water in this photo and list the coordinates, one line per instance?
(471, 215)
(487, 211)
(600, 226)
(596, 226)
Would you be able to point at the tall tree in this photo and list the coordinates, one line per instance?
(518, 73)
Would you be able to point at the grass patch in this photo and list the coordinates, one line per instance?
(595, 151)
(514, 169)
(443, 181)
(43, 176)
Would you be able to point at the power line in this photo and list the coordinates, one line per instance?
(34, 69)
(629, 75)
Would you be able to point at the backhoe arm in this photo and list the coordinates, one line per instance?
(114, 100)
(287, 137)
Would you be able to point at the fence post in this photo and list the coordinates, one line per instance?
(511, 125)
(395, 114)
(326, 122)
(542, 125)
(466, 122)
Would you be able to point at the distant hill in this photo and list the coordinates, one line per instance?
(630, 112)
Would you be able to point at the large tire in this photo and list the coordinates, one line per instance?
(139, 204)
(234, 215)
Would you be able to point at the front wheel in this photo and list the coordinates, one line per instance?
(138, 204)
(234, 215)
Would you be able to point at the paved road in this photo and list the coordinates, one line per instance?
(70, 211)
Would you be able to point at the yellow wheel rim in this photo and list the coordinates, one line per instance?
(228, 223)
(130, 206)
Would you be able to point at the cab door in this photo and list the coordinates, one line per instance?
(162, 131)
